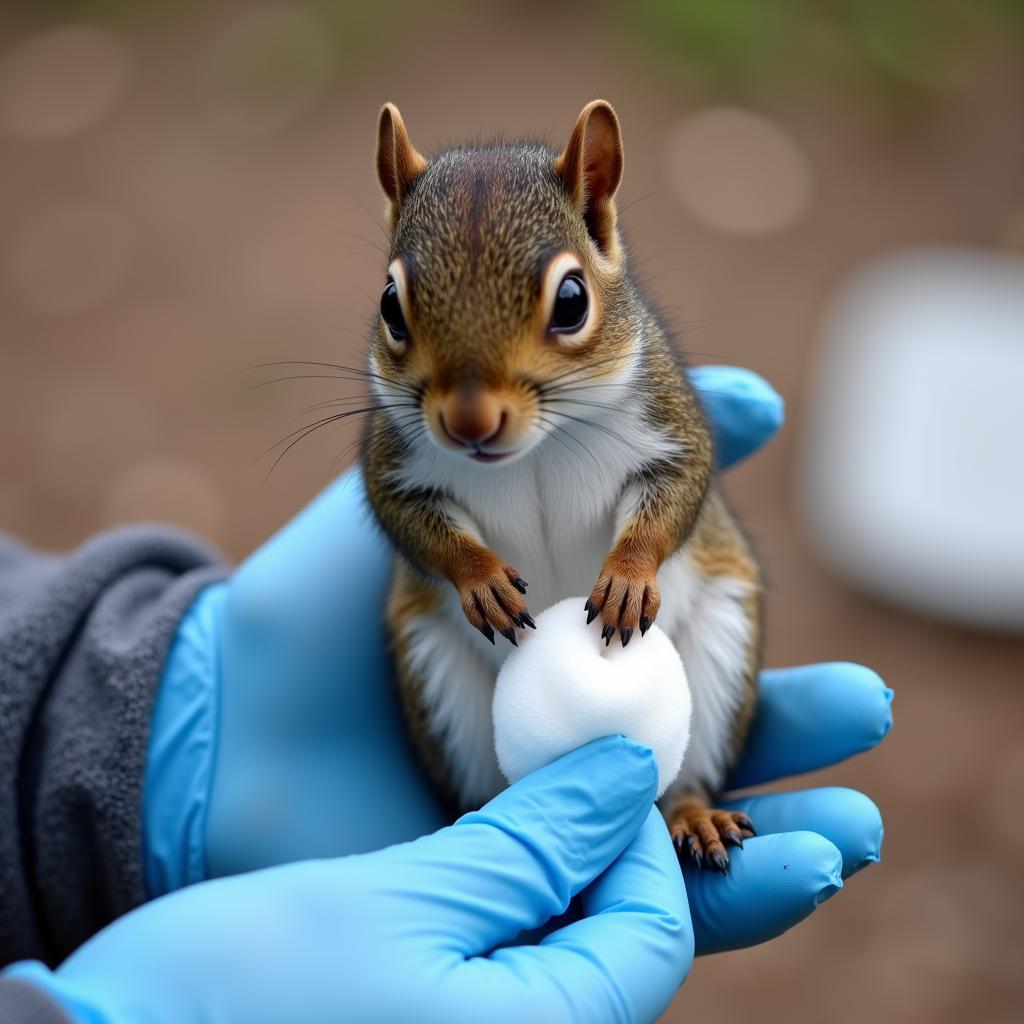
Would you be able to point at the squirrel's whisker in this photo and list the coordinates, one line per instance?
(591, 402)
(551, 381)
(376, 220)
(302, 436)
(605, 406)
(309, 376)
(373, 245)
(347, 400)
(309, 427)
(594, 425)
(344, 451)
(634, 202)
(557, 431)
(400, 425)
(355, 371)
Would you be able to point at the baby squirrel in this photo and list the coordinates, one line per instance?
(531, 412)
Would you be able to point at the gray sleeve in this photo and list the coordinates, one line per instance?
(22, 1003)
(83, 640)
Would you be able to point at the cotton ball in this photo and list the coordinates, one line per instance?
(562, 687)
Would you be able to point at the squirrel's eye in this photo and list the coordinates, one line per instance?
(391, 312)
(570, 312)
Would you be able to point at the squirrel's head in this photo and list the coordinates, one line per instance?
(507, 303)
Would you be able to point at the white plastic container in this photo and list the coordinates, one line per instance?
(913, 466)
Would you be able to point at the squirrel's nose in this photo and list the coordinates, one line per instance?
(472, 416)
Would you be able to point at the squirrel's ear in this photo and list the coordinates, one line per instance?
(591, 166)
(398, 160)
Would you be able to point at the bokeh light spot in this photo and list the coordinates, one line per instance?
(738, 172)
(62, 82)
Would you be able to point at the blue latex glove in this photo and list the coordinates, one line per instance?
(278, 688)
(410, 933)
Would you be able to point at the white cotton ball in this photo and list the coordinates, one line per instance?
(562, 687)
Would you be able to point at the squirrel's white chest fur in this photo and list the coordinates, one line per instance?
(552, 514)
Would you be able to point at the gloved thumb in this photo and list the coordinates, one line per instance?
(520, 859)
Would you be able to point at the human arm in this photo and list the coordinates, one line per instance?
(82, 639)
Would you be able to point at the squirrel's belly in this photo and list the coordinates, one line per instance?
(560, 564)
(555, 531)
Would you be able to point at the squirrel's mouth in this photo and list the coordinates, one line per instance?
(481, 456)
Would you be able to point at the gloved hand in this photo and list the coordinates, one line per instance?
(410, 932)
(278, 690)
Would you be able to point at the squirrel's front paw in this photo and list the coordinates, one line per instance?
(493, 601)
(626, 596)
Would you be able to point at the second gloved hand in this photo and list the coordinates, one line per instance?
(415, 932)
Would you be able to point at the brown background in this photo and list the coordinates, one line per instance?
(190, 192)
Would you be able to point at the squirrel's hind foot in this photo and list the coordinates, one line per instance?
(701, 834)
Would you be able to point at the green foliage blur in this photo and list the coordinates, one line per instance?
(893, 48)
(885, 51)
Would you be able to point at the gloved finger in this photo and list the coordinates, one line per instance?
(848, 819)
(521, 858)
(811, 717)
(637, 930)
(624, 960)
(744, 410)
(773, 883)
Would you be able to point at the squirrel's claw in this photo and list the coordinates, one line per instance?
(745, 823)
(627, 597)
(701, 834)
(732, 837)
(688, 846)
(493, 603)
(720, 862)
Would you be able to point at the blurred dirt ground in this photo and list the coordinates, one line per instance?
(188, 192)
